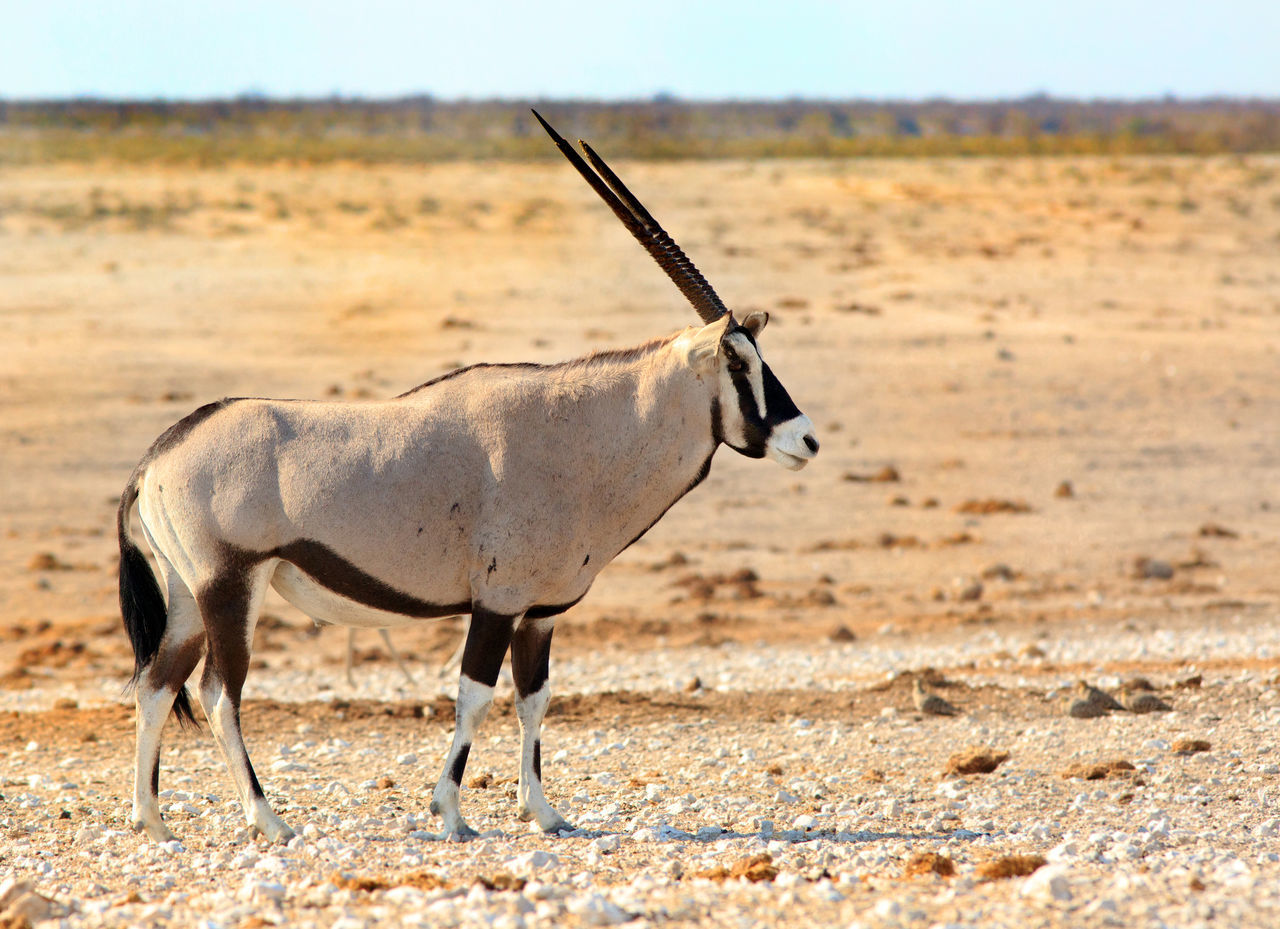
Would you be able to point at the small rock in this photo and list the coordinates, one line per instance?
(1096, 696)
(537, 860)
(975, 761)
(929, 863)
(25, 909)
(1144, 702)
(607, 844)
(1064, 491)
(1048, 883)
(597, 910)
(1009, 866)
(1145, 568)
(888, 909)
(929, 703)
(259, 891)
(1094, 772)
(1085, 709)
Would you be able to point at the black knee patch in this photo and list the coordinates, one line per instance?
(487, 643)
(531, 658)
(155, 778)
(537, 758)
(459, 765)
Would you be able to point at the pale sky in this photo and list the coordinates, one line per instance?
(715, 49)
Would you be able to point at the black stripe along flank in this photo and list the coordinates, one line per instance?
(333, 572)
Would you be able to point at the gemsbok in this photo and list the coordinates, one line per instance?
(497, 490)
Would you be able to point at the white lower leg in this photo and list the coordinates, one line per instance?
(474, 700)
(153, 706)
(532, 801)
(226, 730)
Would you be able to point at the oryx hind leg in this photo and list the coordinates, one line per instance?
(229, 605)
(487, 642)
(530, 661)
(158, 686)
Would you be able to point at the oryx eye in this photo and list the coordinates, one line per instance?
(733, 362)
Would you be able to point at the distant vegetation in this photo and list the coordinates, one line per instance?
(414, 129)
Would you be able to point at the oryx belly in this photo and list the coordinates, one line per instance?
(326, 606)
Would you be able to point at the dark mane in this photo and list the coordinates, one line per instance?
(611, 355)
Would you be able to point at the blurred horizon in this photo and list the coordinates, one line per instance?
(664, 98)
(713, 51)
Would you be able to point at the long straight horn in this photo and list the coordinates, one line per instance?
(644, 227)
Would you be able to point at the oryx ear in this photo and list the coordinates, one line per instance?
(704, 344)
(755, 322)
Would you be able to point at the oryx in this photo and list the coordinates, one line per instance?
(498, 490)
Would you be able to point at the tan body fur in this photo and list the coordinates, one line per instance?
(491, 486)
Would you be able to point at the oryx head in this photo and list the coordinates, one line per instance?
(752, 412)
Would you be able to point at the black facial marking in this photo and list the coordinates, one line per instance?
(537, 759)
(776, 399)
(779, 407)
(459, 764)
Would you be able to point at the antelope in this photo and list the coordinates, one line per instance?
(496, 490)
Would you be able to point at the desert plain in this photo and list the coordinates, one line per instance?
(1047, 395)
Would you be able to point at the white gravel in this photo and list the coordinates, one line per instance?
(1197, 842)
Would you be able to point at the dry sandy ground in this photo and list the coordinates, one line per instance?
(1027, 376)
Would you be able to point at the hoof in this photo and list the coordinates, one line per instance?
(283, 835)
(559, 826)
(277, 833)
(157, 833)
(464, 832)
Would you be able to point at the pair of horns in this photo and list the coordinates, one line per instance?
(643, 226)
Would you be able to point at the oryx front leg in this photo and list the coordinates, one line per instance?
(487, 642)
(530, 658)
(158, 687)
(230, 610)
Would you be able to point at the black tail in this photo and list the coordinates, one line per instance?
(142, 604)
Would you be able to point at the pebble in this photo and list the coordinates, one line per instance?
(1050, 883)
